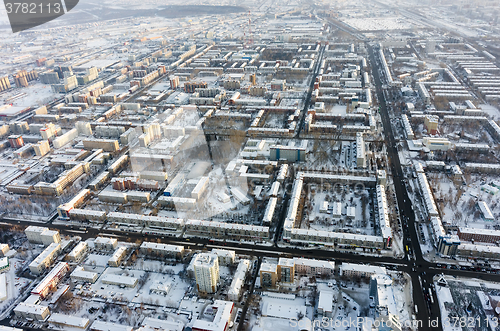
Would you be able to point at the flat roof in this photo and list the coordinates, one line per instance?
(325, 301)
(117, 279)
(69, 320)
(268, 267)
(162, 324)
(221, 318)
(363, 268)
(108, 326)
(79, 272)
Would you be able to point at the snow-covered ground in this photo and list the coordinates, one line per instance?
(473, 299)
(15, 284)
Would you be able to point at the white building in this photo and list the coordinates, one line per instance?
(160, 288)
(325, 303)
(164, 250)
(269, 212)
(108, 326)
(385, 301)
(45, 259)
(117, 257)
(80, 275)
(430, 204)
(49, 282)
(119, 280)
(153, 324)
(485, 210)
(436, 144)
(234, 292)
(383, 215)
(225, 256)
(220, 312)
(206, 270)
(8, 328)
(69, 321)
(78, 252)
(32, 312)
(226, 230)
(105, 244)
(200, 188)
(3, 287)
(41, 235)
(351, 270)
(312, 267)
(407, 127)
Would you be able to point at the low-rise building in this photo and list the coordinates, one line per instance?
(4, 248)
(220, 312)
(161, 250)
(325, 303)
(117, 257)
(41, 235)
(311, 267)
(32, 312)
(105, 244)
(69, 321)
(45, 259)
(479, 235)
(81, 275)
(108, 326)
(49, 282)
(351, 270)
(234, 292)
(225, 256)
(78, 252)
(4, 264)
(160, 288)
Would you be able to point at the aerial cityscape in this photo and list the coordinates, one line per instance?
(250, 166)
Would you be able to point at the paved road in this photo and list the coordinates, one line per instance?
(416, 262)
